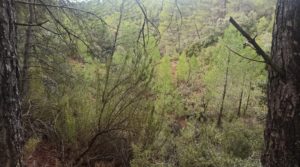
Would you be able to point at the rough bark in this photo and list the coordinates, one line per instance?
(10, 115)
(282, 133)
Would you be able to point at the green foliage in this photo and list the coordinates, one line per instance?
(232, 146)
(164, 76)
(194, 64)
(183, 69)
(235, 145)
(77, 116)
(30, 146)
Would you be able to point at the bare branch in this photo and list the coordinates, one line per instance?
(138, 2)
(142, 33)
(37, 24)
(180, 13)
(63, 7)
(257, 48)
(92, 141)
(109, 62)
(236, 53)
(51, 31)
(69, 33)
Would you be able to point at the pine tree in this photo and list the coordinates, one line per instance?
(10, 112)
(282, 134)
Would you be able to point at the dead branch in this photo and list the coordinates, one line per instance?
(257, 48)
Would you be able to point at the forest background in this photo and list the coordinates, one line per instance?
(144, 83)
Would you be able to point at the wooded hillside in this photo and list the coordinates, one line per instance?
(144, 83)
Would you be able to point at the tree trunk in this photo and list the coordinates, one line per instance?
(10, 115)
(223, 8)
(241, 98)
(240, 103)
(248, 99)
(219, 123)
(27, 49)
(282, 133)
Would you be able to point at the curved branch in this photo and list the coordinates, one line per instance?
(236, 53)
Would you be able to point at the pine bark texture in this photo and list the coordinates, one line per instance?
(10, 113)
(282, 134)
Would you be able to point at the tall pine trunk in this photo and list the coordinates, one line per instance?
(10, 113)
(282, 133)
